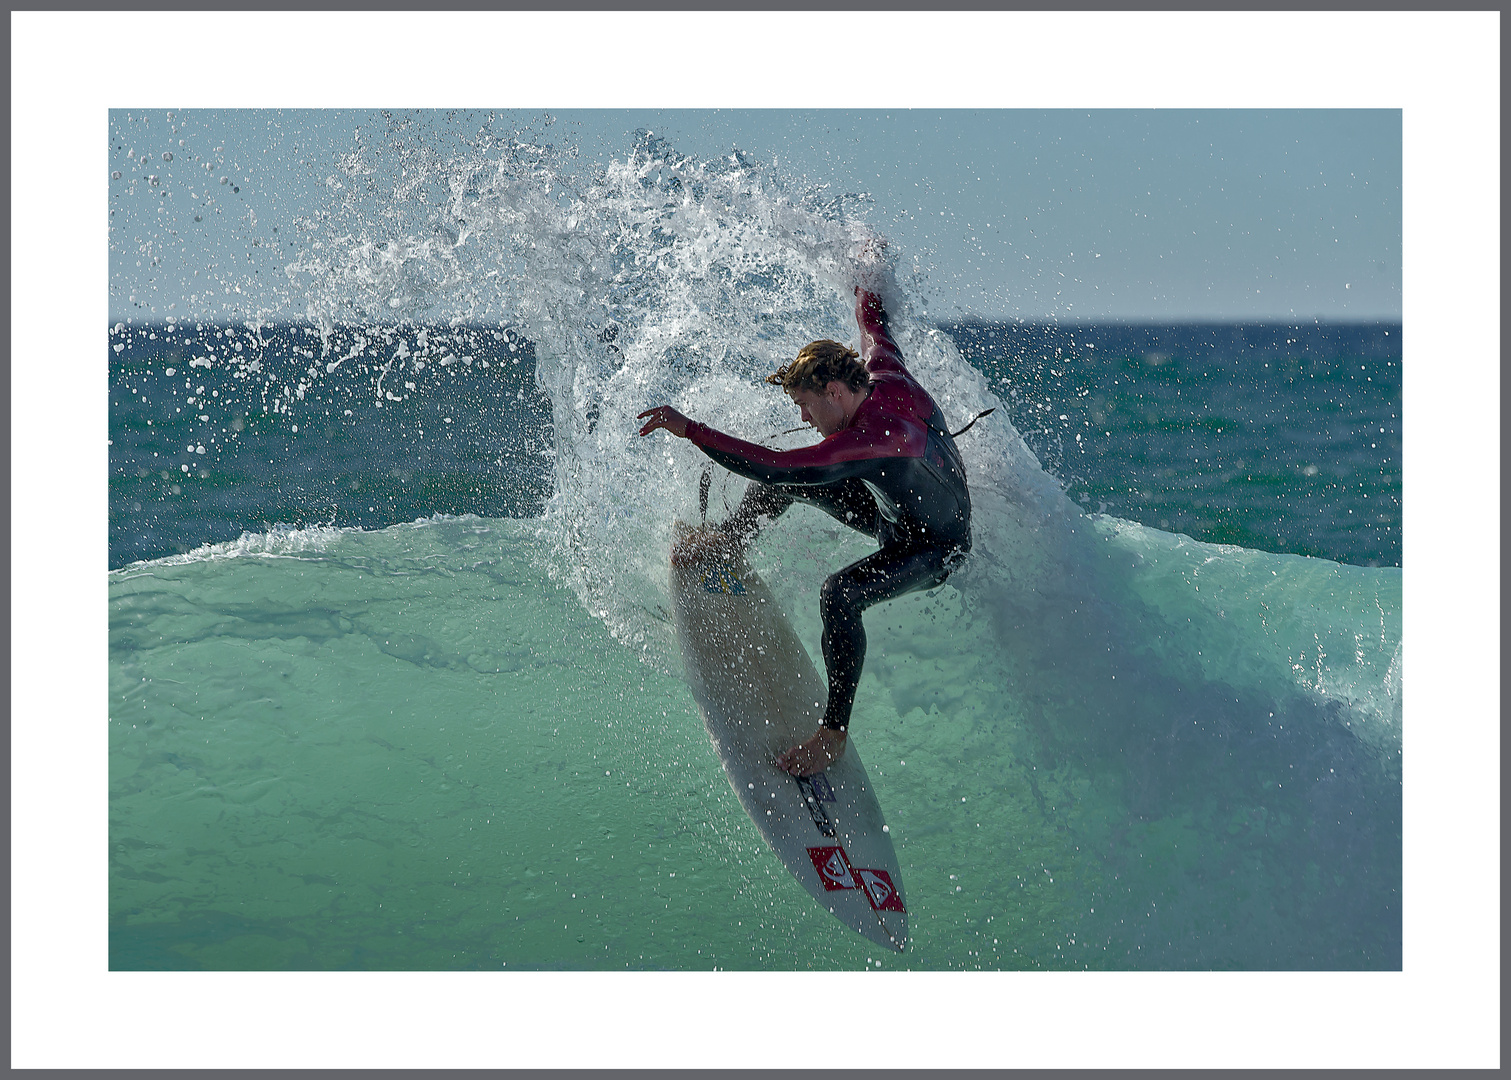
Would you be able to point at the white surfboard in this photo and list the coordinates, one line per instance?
(760, 694)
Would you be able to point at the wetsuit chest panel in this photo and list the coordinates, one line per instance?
(877, 431)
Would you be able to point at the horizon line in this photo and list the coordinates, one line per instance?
(958, 320)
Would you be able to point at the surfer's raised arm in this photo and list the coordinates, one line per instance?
(878, 351)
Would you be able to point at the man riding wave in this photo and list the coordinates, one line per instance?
(887, 466)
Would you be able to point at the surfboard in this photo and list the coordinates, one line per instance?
(760, 694)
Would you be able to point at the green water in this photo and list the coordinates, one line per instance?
(415, 749)
(407, 752)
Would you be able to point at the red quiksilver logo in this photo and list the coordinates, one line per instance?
(835, 871)
(879, 889)
(833, 868)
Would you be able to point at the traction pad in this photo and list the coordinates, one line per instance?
(816, 791)
(721, 579)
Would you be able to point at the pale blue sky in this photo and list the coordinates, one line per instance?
(1044, 214)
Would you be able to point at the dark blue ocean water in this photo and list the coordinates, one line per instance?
(201, 454)
(1280, 438)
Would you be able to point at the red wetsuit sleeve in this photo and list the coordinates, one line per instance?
(890, 423)
(846, 453)
(894, 389)
(877, 349)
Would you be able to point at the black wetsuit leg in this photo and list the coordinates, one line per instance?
(886, 574)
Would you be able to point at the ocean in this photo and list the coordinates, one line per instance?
(393, 683)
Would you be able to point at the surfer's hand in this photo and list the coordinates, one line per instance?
(664, 416)
(872, 266)
(822, 750)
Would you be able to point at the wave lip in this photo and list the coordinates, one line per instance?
(282, 541)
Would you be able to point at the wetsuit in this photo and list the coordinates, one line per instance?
(894, 473)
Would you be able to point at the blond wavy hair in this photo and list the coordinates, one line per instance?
(818, 364)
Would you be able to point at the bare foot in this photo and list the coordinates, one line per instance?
(823, 749)
(702, 543)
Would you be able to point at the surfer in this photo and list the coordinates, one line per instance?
(887, 466)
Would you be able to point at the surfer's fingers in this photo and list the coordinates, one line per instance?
(663, 416)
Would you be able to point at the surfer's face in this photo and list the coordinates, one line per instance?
(824, 411)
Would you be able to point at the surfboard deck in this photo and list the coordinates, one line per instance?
(760, 694)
